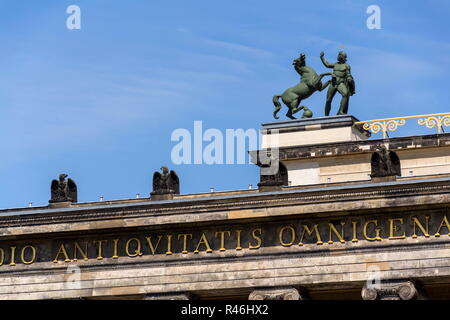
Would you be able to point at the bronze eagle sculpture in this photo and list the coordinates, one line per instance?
(166, 182)
(385, 163)
(63, 190)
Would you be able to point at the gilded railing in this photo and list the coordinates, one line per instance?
(436, 120)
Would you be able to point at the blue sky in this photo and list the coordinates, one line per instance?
(101, 103)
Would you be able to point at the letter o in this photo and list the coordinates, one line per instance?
(22, 255)
(287, 244)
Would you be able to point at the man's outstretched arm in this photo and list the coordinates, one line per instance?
(325, 62)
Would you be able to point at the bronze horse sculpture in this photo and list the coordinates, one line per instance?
(310, 82)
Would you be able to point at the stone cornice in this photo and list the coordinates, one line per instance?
(435, 192)
(320, 123)
(364, 146)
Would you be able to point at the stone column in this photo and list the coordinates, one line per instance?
(275, 293)
(169, 296)
(392, 290)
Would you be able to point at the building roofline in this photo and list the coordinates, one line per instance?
(286, 191)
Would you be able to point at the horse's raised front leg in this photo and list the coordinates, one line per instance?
(323, 86)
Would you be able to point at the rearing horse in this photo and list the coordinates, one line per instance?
(310, 82)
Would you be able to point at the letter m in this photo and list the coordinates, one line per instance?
(241, 136)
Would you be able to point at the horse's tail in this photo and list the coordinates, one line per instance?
(275, 100)
(277, 105)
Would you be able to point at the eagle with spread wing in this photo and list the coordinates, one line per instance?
(385, 163)
(166, 182)
(63, 190)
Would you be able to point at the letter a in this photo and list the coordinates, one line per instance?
(74, 20)
(374, 21)
(181, 153)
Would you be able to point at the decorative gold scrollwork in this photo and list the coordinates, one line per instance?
(384, 126)
(435, 121)
(431, 121)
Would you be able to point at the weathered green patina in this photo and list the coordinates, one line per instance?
(310, 82)
(341, 81)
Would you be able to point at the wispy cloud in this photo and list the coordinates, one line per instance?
(255, 52)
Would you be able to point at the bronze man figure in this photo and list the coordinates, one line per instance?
(341, 81)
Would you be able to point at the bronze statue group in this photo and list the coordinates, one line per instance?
(341, 81)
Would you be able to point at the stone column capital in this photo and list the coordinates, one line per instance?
(391, 290)
(275, 293)
(169, 296)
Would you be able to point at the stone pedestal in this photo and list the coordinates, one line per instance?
(58, 205)
(297, 137)
(312, 131)
(384, 179)
(160, 197)
(270, 188)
